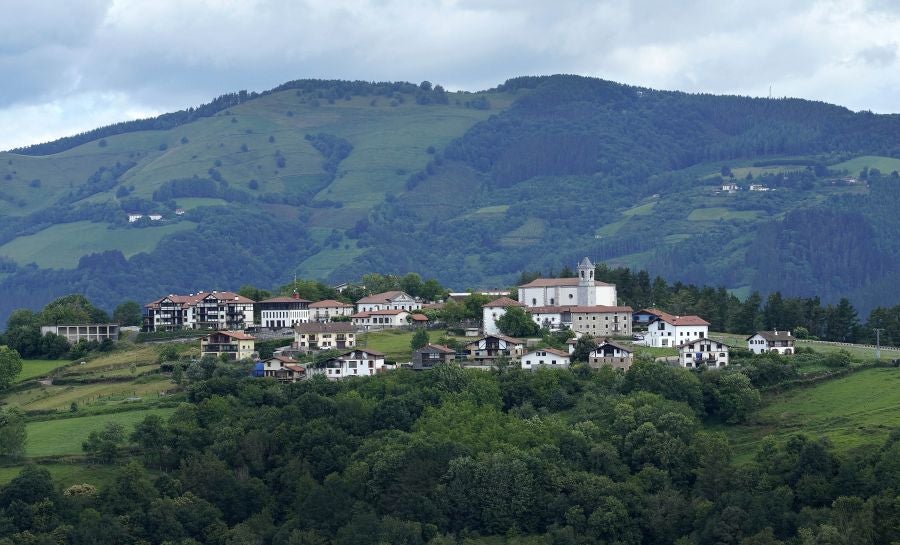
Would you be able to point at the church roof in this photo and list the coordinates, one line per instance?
(585, 264)
(551, 282)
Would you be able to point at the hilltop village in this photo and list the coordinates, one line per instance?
(581, 311)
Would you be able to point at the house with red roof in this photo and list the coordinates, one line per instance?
(545, 357)
(380, 319)
(234, 345)
(360, 362)
(493, 311)
(201, 310)
(327, 310)
(389, 300)
(667, 330)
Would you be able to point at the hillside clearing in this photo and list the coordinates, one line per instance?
(61, 246)
(853, 167)
(64, 436)
(856, 410)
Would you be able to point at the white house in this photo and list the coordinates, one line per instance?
(730, 187)
(581, 291)
(283, 369)
(280, 312)
(700, 352)
(375, 319)
(778, 342)
(389, 300)
(134, 217)
(83, 332)
(325, 311)
(553, 318)
(667, 330)
(360, 362)
(758, 187)
(491, 312)
(549, 357)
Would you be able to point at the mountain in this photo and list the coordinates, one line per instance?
(332, 179)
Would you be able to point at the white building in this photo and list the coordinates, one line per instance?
(375, 319)
(83, 332)
(667, 330)
(557, 292)
(325, 311)
(700, 352)
(777, 342)
(283, 369)
(485, 350)
(281, 312)
(389, 300)
(549, 357)
(202, 310)
(493, 311)
(360, 362)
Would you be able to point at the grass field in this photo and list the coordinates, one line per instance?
(61, 246)
(61, 397)
(38, 368)
(66, 475)
(853, 167)
(853, 411)
(395, 344)
(64, 436)
(858, 352)
(721, 213)
(640, 210)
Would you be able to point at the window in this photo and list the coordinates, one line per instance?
(533, 302)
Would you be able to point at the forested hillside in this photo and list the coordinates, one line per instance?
(331, 180)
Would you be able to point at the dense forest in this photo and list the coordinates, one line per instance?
(457, 456)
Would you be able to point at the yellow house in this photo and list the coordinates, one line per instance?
(236, 345)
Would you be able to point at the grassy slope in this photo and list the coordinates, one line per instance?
(38, 368)
(853, 411)
(389, 144)
(61, 246)
(885, 164)
(64, 436)
(66, 475)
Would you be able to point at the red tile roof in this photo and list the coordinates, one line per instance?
(503, 302)
(681, 320)
(439, 347)
(419, 317)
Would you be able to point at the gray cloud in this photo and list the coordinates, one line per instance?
(105, 61)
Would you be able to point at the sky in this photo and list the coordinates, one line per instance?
(67, 66)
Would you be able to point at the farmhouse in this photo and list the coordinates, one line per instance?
(234, 345)
(668, 330)
(610, 353)
(324, 336)
(327, 310)
(549, 357)
(702, 352)
(389, 300)
(581, 291)
(778, 342)
(430, 355)
(283, 369)
(485, 350)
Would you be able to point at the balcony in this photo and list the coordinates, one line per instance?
(215, 347)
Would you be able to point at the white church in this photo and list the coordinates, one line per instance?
(583, 291)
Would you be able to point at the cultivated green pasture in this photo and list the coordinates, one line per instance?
(66, 475)
(64, 436)
(61, 246)
(721, 213)
(857, 410)
(885, 164)
(395, 344)
(38, 368)
(60, 397)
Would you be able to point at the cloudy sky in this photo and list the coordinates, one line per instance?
(72, 65)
